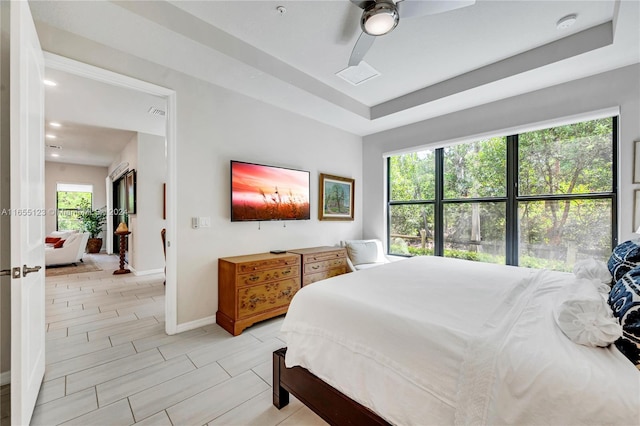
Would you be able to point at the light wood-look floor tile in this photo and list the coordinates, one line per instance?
(118, 413)
(63, 352)
(72, 365)
(121, 328)
(257, 411)
(67, 408)
(237, 363)
(173, 391)
(222, 347)
(53, 389)
(146, 378)
(109, 361)
(217, 400)
(303, 417)
(111, 370)
(112, 318)
(161, 339)
(158, 419)
(82, 321)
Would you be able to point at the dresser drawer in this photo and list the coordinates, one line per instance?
(312, 278)
(259, 265)
(267, 275)
(311, 268)
(319, 257)
(264, 297)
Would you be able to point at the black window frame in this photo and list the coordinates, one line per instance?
(512, 198)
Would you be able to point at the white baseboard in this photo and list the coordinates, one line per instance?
(5, 378)
(147, 272)
(195, 324)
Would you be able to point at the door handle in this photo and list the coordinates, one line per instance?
(26, 269)
(14, 272)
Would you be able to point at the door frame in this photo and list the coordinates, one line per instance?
(81, 69)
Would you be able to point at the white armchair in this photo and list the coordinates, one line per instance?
(363, 254)
(71, 251)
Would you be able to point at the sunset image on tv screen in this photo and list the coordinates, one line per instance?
(261, 192)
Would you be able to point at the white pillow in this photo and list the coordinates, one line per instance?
(593, 269)
(584, 317)
(362, 251)
(63, 235)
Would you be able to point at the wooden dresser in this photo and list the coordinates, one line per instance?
(319, 263)
(254, 288)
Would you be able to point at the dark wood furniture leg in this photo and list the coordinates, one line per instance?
(280, 395)
(332, 405)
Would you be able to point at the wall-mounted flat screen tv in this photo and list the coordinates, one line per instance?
(261, 193)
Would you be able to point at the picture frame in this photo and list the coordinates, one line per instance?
(636, 210)
(336, 198)
(636, 162)
(130, 191)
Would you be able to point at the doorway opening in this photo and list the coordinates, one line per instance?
(60, 63)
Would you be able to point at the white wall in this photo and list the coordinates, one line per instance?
(55, 173)
(618, 88)
(129, 154)
(215, 125)
(5, 225)
(146, 154)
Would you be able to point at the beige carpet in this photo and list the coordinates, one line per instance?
(86, 266)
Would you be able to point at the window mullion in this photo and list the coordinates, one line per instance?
(438, 214)
(512, 203)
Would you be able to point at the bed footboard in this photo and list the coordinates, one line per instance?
(327, 402)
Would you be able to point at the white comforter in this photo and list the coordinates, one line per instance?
(443, 341)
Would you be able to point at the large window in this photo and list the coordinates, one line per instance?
(70, 199)
(539, 199)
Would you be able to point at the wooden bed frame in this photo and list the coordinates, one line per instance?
(332, 405)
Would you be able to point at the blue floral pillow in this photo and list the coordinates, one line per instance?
(624, 258)
(624, 300)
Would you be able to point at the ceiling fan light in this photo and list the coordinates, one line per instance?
(380, 18)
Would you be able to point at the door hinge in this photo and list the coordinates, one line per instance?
(14, 272)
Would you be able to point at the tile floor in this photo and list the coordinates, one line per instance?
(109, 361)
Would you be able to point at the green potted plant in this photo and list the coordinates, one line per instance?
(93, 221)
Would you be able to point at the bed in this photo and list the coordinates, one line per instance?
(433, 340)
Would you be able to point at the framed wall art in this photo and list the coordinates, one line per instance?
(130, 191)
(636, 210)
(636, 162)
(336, 198)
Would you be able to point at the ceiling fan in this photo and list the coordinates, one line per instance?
(380, 17)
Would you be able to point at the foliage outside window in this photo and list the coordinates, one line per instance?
(70, 200)
(455, 201)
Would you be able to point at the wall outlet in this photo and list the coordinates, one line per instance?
(205, 222)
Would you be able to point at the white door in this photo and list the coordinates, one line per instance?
(27, 209)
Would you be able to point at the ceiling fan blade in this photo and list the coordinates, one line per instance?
(364, 43)
(415, 8)
(362, 4)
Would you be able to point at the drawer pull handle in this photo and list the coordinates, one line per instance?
(254, 278)
(315, 267)
(287, 272)
(286, 292)
(255, 299)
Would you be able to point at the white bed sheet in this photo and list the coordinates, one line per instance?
(442, 341)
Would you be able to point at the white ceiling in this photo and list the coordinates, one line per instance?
(429, 66)
(97, 120)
